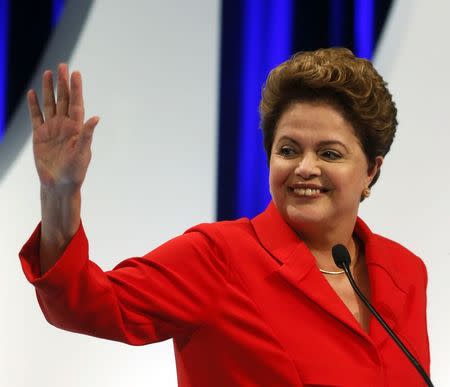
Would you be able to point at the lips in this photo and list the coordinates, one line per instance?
(307, 190)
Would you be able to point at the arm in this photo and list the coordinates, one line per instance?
(62, 152)
(166, 293)
(169, 292)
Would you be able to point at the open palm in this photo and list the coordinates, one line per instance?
(61, 138)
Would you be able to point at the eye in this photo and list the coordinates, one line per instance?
(330, 155)
(286, 151)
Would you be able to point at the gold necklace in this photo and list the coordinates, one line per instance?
(331, 272)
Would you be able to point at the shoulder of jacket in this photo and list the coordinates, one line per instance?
(395, 246)
(223, 229)
(406, 260)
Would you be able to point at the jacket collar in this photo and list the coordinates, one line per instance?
(281, 241)
(298, 266)
(275, 234)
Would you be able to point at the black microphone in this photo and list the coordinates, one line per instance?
(342, 260)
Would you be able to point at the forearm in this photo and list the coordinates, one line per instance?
(60, 220)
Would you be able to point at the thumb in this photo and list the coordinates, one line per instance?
(88, 130)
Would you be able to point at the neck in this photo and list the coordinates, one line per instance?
(321, 240)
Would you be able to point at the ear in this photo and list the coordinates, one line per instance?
(375, 168)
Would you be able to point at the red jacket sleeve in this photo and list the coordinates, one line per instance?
(167, 293)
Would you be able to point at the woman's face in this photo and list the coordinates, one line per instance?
(318, 169)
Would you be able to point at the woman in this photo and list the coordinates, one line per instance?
(249, 302)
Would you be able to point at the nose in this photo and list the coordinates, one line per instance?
(308, 167)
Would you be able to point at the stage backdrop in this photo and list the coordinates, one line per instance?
(151, 73)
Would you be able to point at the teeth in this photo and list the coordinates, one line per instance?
(306, 191)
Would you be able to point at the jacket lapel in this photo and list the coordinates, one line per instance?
(298, 267)
(301, 271)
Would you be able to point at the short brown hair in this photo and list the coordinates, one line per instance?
(337, 77)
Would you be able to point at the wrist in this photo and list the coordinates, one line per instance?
(60, 210)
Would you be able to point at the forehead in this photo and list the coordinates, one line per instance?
(306, 120)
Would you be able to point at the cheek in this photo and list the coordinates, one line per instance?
(278, 176)
(279, 172)
(273, 182)
(351, 182)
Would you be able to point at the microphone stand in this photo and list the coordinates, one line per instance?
(346, 267)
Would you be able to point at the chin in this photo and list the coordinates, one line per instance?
(304, 216)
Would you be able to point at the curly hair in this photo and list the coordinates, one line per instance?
(336, 77)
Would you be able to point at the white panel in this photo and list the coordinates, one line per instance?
(151, 73)
(410, 203)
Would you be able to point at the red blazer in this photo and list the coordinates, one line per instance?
(246, 306)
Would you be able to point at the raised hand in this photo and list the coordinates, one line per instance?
(61, 138)
(62, 152)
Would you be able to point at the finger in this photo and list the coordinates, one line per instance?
(48, 95)
(88, 131)
(62, 103)
(35, 111)
(76, 105)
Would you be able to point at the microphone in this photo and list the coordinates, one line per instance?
(342, 260)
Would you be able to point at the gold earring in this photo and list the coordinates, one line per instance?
(366, 192)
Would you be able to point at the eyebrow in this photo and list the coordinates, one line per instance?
(321, 143)
(333, 142)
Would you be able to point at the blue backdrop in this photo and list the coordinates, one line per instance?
(256, 36)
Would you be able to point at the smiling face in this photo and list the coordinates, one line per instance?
(318, 169)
